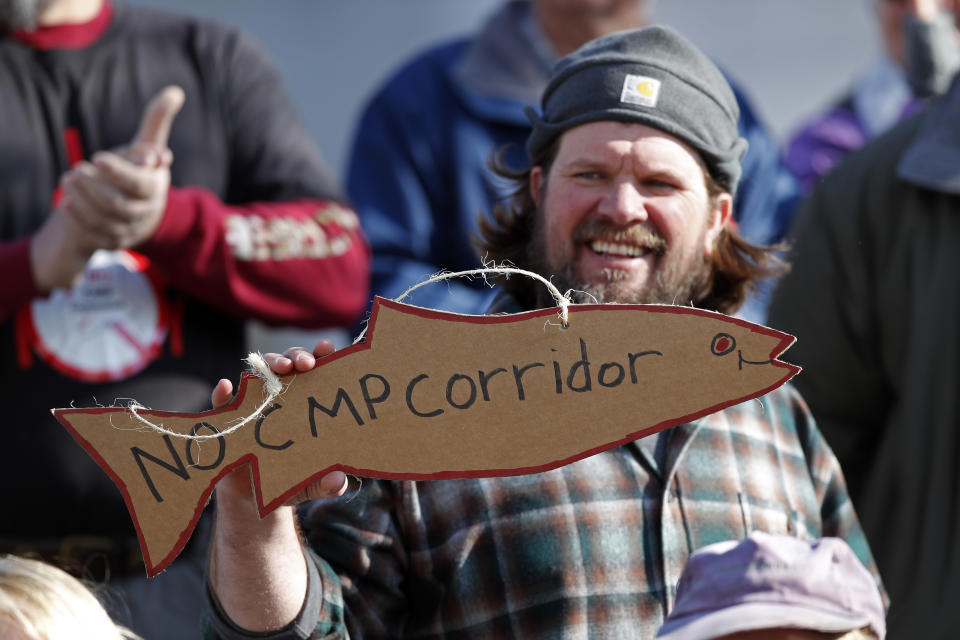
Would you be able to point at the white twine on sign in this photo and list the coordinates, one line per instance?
(258, 366)
(563, 300)
(273, 386)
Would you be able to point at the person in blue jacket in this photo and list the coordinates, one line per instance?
(419, 171)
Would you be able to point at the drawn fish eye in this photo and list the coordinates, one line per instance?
(723, 343)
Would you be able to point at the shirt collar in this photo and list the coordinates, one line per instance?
(68, 36)
(933, 159)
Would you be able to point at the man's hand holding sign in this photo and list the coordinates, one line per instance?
(241, 534)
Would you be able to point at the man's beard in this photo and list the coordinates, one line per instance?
(672, 283)
(17, 15)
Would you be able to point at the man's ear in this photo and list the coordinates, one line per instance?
(536, 181)
(720, 211)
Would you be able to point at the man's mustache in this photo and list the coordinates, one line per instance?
(636, 234)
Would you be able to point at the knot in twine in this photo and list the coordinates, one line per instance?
(258, 366)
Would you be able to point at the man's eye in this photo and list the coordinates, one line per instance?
(660, 184)
(587, 175)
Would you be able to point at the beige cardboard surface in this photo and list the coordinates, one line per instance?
(435, 395)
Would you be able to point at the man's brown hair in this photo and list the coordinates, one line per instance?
(507, 237)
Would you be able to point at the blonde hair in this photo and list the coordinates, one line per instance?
(43, 602)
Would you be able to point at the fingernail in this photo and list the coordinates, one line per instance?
(339, 488)
(303, 358)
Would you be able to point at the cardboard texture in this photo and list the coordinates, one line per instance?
(433, 395)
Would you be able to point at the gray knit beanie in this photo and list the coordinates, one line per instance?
(653, 76)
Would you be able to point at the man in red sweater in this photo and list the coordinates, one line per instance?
(133, 235)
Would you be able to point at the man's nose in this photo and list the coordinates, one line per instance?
(623, 203)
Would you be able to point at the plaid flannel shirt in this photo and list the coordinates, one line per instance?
(590, 550)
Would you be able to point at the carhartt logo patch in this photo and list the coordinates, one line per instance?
(640, 90)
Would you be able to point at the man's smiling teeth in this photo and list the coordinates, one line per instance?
(617, 249)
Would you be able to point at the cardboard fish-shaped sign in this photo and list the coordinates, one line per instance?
(433, 395)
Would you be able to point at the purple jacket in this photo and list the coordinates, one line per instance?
(879, 98)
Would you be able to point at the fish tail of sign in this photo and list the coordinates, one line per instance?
(159, 553)
(166, 477)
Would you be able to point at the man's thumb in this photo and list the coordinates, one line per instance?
(158, 117)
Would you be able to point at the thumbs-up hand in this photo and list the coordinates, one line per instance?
(150, 144)
(119, 196)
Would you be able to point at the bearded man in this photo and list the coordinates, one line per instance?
(419, 161)
(637, 159)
